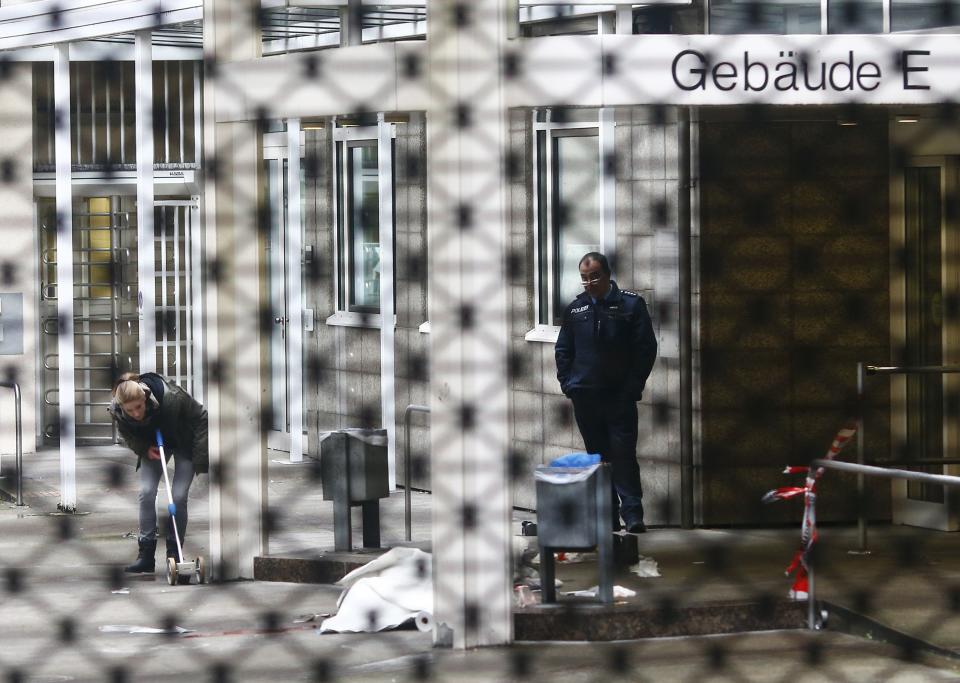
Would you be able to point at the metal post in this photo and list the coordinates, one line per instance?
(294, 252)
(861, 513)
(624, 19)
(115, 294)
(65, 340)
(146, 276)
(407, 515)
(604, 526)
(685, 323)
(608, 184)
(351, 23)
(196, 299)
(811, 599)
(18, 419)
(513, 18)
(387, 309)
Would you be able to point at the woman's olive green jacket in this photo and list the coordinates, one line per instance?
(180, 418)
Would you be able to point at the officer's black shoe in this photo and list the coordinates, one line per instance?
(637, 527)
(145, 558)
(625, 550)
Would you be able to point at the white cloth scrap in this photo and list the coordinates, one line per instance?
(619, 592)
(646, 568)
(387, 592)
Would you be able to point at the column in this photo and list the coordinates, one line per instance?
(65, 360)
(146, 276)
(235, 301)
(466, 136)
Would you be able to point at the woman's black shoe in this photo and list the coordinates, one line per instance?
(145, 558)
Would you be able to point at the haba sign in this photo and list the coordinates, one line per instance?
(611, 70)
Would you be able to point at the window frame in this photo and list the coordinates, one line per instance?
(545, 228)
(346, 138)
(349, 210)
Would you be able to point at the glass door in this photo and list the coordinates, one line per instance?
(927, 328)
(276, 196)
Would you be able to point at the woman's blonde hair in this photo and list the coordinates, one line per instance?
(128, 389)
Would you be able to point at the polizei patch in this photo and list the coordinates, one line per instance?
(581, 309)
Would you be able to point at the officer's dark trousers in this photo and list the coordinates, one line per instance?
(609, 427)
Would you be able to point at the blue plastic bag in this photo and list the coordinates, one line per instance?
(576, 460)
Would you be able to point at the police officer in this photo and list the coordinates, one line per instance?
(604, 355)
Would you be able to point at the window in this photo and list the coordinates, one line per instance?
(855, 16)
(97, 245)
(576, 209)
(842, 16)
(363, 227)
(573, 207)
(102, 114)
(359, 217)
(737, 16)
(914, 15)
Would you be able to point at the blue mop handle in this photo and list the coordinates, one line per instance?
(171, 507)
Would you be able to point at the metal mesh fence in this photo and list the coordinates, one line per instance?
(358, 253)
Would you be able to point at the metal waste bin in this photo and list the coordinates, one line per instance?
(354, 471)
(574, 512)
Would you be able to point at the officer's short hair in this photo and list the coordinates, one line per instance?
(599, 258)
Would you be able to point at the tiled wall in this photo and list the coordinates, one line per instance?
(795, 292)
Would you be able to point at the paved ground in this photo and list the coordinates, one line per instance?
(57, 600)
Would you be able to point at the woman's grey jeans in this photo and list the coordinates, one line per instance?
(151, 473)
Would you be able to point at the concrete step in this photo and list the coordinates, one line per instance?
(589, 621)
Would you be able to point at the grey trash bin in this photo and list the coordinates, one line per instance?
(354, 471)
(574, 512)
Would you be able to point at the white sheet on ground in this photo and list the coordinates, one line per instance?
(389, 591)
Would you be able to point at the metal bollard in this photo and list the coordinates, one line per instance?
(19, 430)
(407, 521)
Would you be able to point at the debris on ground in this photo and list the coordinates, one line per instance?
(127, 628)
(619, 592)
(304, 618)
(646, 568)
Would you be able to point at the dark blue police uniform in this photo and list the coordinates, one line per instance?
(604, 355)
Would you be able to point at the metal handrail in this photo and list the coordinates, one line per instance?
(18, 417)
(407, 517)
(910, 369)
(861, 471)
(862, 371)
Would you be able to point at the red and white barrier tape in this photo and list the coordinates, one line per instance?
(800, 566)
